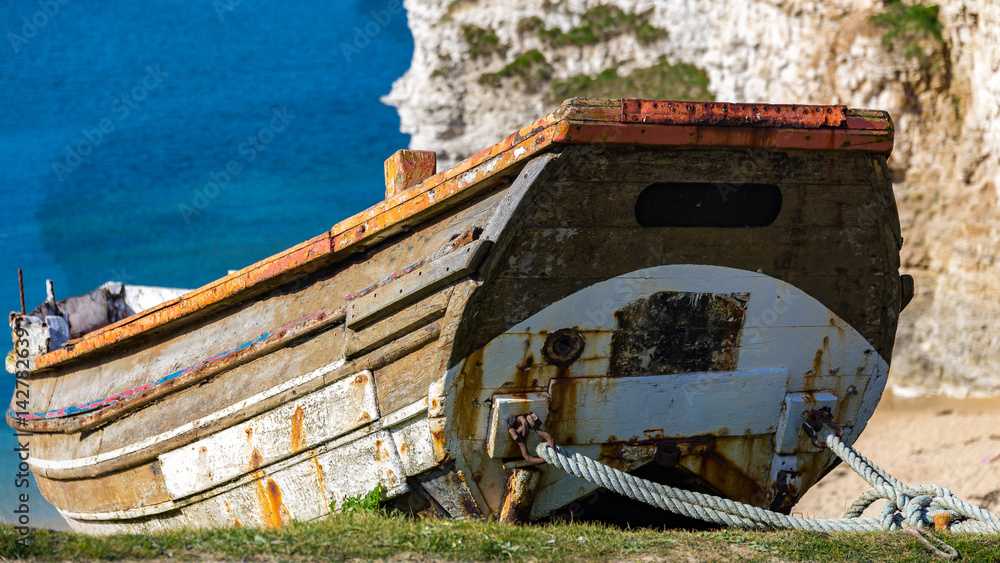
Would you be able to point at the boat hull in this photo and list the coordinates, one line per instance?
(686, 346)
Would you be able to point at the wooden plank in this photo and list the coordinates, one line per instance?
(406, 380)
(405, 321)
(652, 164)
(613, 204)
(415, 445)
(142, 485)
(138, 398)
(193, 344)
(294, 426)
(416, 284)
(572, 251)
(231, 387)
(131, 452)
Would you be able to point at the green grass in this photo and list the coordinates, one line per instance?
(529, 71)
(482, 42)
(370, 502)
(365, 535)
(599, 23)
(909, 28)
(663, 81)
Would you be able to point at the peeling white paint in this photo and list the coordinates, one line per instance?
(318, 417)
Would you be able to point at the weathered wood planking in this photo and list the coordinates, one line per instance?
(612, 204)
(96, 378)
(135, 487)
(648, 164)
(403, 322)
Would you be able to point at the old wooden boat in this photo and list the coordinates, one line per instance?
(670, 286)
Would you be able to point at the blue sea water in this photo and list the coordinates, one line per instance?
(120, 119)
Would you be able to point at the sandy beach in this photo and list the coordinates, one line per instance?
(931, 440)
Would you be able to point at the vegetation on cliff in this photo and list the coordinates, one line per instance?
(482, 42)
(528, 72)
(598, 24)
(663, 81)
(913, 29)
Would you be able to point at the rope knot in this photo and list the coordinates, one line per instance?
(915, 510)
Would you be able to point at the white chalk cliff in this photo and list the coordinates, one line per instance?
(482, 69)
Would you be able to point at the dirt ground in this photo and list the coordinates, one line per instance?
(946, 442)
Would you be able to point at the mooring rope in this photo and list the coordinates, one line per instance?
(905, 506)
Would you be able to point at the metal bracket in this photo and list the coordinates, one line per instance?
(815, 419)
(518, 426)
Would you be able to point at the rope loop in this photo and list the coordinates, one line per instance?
(904, 506)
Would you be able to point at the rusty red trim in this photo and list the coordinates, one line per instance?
(725, 114)
(726, 137)
(649, 122)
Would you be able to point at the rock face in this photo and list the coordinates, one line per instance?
(482, 69)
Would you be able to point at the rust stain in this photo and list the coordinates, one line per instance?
(320, 475)
(269, 499)
(365, 417)
(818, 362)
(298, 437)
(872, 141)
(520, 494)
(729, 114)
(256, 459)
(522, 373)
(380, 453)
(470, 385)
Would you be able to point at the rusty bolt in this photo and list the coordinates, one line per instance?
(667, 454)
(563, 346)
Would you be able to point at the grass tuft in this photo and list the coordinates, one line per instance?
(370, 502)
(529, 71)
(390, 536)
(909, 28)
(662, 81)
(482, 42)
(598, 24)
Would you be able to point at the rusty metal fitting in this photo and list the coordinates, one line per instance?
(536, 424)
(814, 421)
(563, 347)
(517, 427)
(667, 454)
